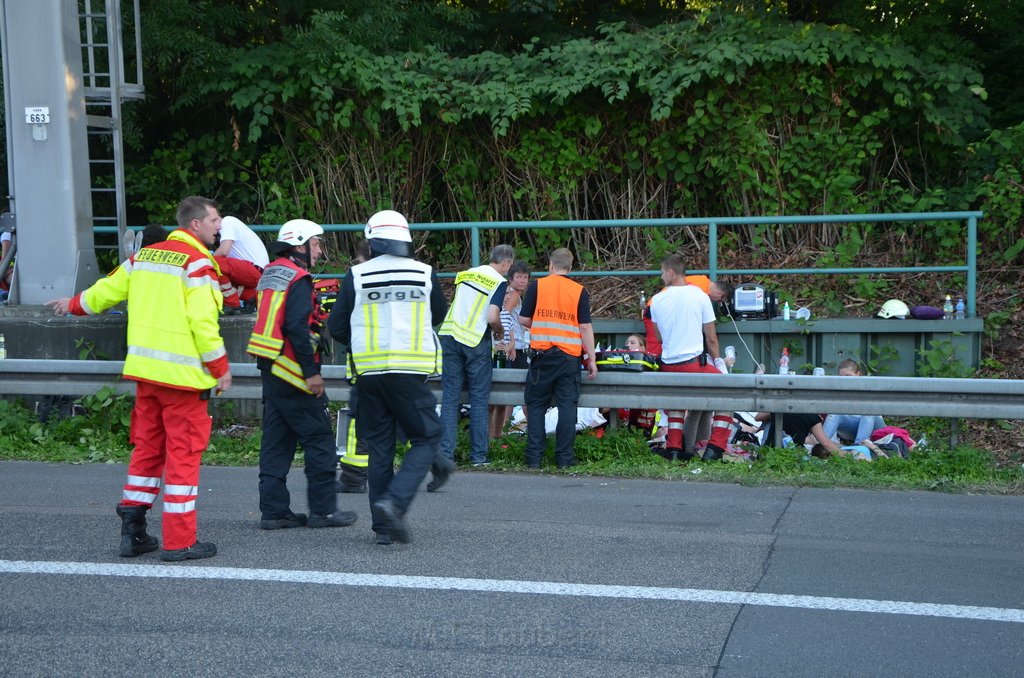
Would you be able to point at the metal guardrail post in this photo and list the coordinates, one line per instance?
(475, 243)
(713, 251)
(972, 265)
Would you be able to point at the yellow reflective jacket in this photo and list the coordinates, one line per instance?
(174, 304)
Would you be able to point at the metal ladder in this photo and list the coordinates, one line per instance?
(106, 88)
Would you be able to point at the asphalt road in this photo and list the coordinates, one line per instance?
(518, 575)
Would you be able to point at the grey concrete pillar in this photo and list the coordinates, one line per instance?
(47, 146)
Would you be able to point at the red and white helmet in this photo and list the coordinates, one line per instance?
(389, 225)
(387, 232)
(298, 232)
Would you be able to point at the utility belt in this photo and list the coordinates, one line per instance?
(534, 353)
(702, 359)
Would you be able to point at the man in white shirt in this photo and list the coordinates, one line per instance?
(241, 256)
(685, 320)
(238, 241)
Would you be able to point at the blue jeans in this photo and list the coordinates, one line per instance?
(852, 426)
(469, 366)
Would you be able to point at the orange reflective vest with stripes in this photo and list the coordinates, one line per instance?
(268, 339)
(556, 316)
(174, 304)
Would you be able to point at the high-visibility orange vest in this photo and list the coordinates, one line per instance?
(555, 319)
(701, 281)
(268, 339)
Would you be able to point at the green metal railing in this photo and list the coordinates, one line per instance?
(712, 223)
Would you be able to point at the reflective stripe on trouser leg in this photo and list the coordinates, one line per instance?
(722, 427)
(180, 499)
(140, 491)
(674, 437)
(188, 432)
(146, 467)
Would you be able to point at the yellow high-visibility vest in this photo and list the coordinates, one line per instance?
(466, 321)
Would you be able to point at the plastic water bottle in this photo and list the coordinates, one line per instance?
(785, 311)
(947, 308)
(960, 311)
(784, 362)
(3, 347)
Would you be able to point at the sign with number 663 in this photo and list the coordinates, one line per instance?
(37, 115)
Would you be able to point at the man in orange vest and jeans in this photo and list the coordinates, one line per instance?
(176, 354)
(557, 312)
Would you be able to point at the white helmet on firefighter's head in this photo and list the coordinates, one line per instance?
(298, 232)
(388, 224)
(387, 232)
(894, 308)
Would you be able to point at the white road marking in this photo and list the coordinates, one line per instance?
(513, 586)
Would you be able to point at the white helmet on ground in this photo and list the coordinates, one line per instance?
(387, 232)
(298, 232)
(894, 308)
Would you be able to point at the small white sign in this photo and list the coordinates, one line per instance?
(37, 115)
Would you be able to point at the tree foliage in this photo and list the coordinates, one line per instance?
(363, 105)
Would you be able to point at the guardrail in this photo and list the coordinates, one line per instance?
(904, 396)
(969, 268)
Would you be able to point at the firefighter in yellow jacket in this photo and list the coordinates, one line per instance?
(176, 356)
(286, 341)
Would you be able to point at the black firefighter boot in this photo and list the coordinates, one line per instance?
(134, 540)
(352, 479)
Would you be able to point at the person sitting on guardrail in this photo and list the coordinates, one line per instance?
(242, 256)
(851, 428)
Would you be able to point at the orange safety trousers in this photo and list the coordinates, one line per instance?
(170, 429)
(722, 424)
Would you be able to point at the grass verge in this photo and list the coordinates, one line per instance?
(100, 435)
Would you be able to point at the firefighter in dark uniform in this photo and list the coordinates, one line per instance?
(286, 343)
(384, 314)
